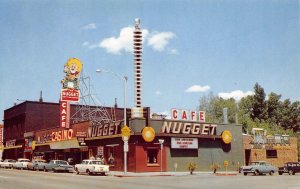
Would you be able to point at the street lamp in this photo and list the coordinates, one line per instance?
(124, 78)
(161, 142)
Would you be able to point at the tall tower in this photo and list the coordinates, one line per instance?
(137, 111)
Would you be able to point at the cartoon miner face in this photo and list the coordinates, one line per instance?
(73, 68)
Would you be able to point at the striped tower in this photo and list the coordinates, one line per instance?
(137, 51)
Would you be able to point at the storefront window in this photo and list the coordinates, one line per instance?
(152, 156)
(271, 153)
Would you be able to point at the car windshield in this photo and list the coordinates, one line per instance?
(62, 162)
(97, 162)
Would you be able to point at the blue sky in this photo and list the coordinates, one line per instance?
(190, 48)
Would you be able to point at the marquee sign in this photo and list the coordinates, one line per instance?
(190, 115)
(184, 143)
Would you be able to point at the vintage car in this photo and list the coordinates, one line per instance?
(21, 163)
(58, 165)
(92, 167)
(259, 168)
(36, 164)
(8, 163)
(290, 167)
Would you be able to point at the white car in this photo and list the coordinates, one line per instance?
(8, 163)
(21, 163)
(92, 167)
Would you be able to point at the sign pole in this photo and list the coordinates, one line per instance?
(125, 131)
(125, 156)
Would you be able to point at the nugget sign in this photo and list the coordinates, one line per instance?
(188, 115)
(64, 114)
(70, 95)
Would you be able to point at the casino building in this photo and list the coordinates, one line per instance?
(31, 130)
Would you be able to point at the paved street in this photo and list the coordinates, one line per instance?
(12, 179)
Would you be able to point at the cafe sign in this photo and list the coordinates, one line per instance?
(188, 115)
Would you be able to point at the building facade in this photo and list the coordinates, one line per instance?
(277, 149)
(31, 130)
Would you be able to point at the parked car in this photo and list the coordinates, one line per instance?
(8, 163)
(21, 163)
(259, 168)
(58, 165)
(92, 167)
(37, 164)
(290, 167)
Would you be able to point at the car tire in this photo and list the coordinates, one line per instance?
(291, 172)
(245, 174)
(280, 173)
(271, 173)
(54, 171)
(45, 170)
(256, 172)
(77, 172)
(88, 172)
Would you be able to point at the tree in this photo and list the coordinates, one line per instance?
(206, 104)
(273, 108)
(213, 106)
(259, 110)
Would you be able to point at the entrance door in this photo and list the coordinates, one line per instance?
(247, 156)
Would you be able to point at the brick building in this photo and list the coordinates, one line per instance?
(23, 121)
(276, 149)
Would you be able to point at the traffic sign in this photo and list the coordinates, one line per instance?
(125, 131)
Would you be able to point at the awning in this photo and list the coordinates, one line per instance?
(66, 144)
(12, 147)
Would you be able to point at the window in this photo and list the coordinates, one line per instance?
(152, 156)
(271, 153)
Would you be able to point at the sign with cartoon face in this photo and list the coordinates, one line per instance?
(72, 69)
(70, 90)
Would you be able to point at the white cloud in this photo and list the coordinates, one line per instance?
(86, 43)
(159, 40)
(91, 26)
(197, 88)
(237, 95)
(173, 51)
(124, 42)
(157, 93)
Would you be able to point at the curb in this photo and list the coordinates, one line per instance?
(226, 174)
(121, 176)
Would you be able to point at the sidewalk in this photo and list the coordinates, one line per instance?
(156, 174)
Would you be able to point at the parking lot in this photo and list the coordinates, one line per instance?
(11, 179)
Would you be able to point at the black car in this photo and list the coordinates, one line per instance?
(290, 167)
